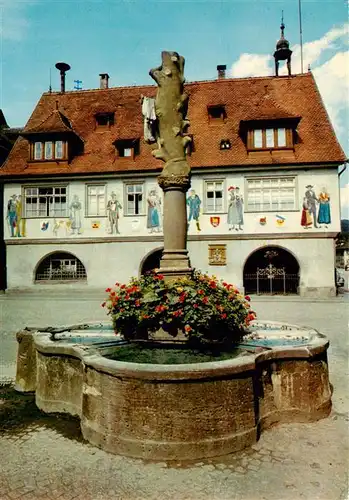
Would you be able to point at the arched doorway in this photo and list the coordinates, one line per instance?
(60, 266)
(271, 270)
(151, 261)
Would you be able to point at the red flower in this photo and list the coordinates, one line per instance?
(160, 308)
(137, 303)
(225, 284)
(247, 297)
(187, 328)
(108, 290)
(196, 306)
(159, 276)
(224, 315)
(182, 297)
(213, 284)
(117, 284)
(178, 313)
(122, 287)
(205, 300)
(112, 294)
(104, 304)
(145, 316)
(201, 291)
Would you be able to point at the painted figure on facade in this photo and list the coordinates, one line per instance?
(311, 201)
(324, 215)
(306, 220)
(14, 216)
(154, 211)
(235, 217)
(75, 215)
(194, 203)
(113, 207)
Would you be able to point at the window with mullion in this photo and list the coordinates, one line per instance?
(45, 202)
(271, 194)
(96, 202)
(134, 199)
(214, 196)
(269, 138)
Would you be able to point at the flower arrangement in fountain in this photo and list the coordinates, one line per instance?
(204, 309)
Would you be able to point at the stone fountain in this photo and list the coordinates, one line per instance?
(184, 411)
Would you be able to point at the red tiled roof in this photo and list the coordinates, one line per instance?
(243, 98)
(55, 122)
(267, 109)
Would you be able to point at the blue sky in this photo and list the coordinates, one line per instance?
(125, 39)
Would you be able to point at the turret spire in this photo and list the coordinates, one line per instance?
(282, 52)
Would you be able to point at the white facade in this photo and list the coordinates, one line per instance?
(82, 217)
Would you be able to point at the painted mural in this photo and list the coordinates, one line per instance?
(154, 211)
(113, 213)
(324, 215)
(75, 217)
(235, 218)
(194, 203)
(17, 224)
(316, 210)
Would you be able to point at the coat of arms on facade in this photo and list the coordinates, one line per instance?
(215, 221)
(217, 255)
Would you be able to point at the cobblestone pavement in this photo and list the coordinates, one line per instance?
(41, 459)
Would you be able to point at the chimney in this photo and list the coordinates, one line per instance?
(221, 71)
(63, 67)
(104, 80)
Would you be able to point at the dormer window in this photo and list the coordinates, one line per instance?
(49, 150)
(127, 148)
(216, 113)
(104, 119)
(38, 151)
(270, 138)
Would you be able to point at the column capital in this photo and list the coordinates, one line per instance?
(170, 182)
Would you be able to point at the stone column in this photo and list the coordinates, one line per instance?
(171, 105)
(175, 260)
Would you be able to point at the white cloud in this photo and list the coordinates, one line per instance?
(344, 194)
(13, 22)
(252, 65)
(329, 61)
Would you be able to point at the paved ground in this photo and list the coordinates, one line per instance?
(45, 458)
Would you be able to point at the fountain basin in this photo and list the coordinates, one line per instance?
(184, 411)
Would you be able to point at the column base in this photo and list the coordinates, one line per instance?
(175, 264)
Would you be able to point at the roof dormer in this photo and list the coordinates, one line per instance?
(53, 139)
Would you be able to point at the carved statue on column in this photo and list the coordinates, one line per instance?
(171, 106)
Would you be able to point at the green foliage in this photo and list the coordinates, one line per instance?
(205, 309)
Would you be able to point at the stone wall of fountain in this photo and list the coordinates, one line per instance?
(188, 411)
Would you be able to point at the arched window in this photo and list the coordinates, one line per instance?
(151, 261)
(271, 270)
(60, 266)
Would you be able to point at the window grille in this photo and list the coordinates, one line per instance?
(61, 267)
